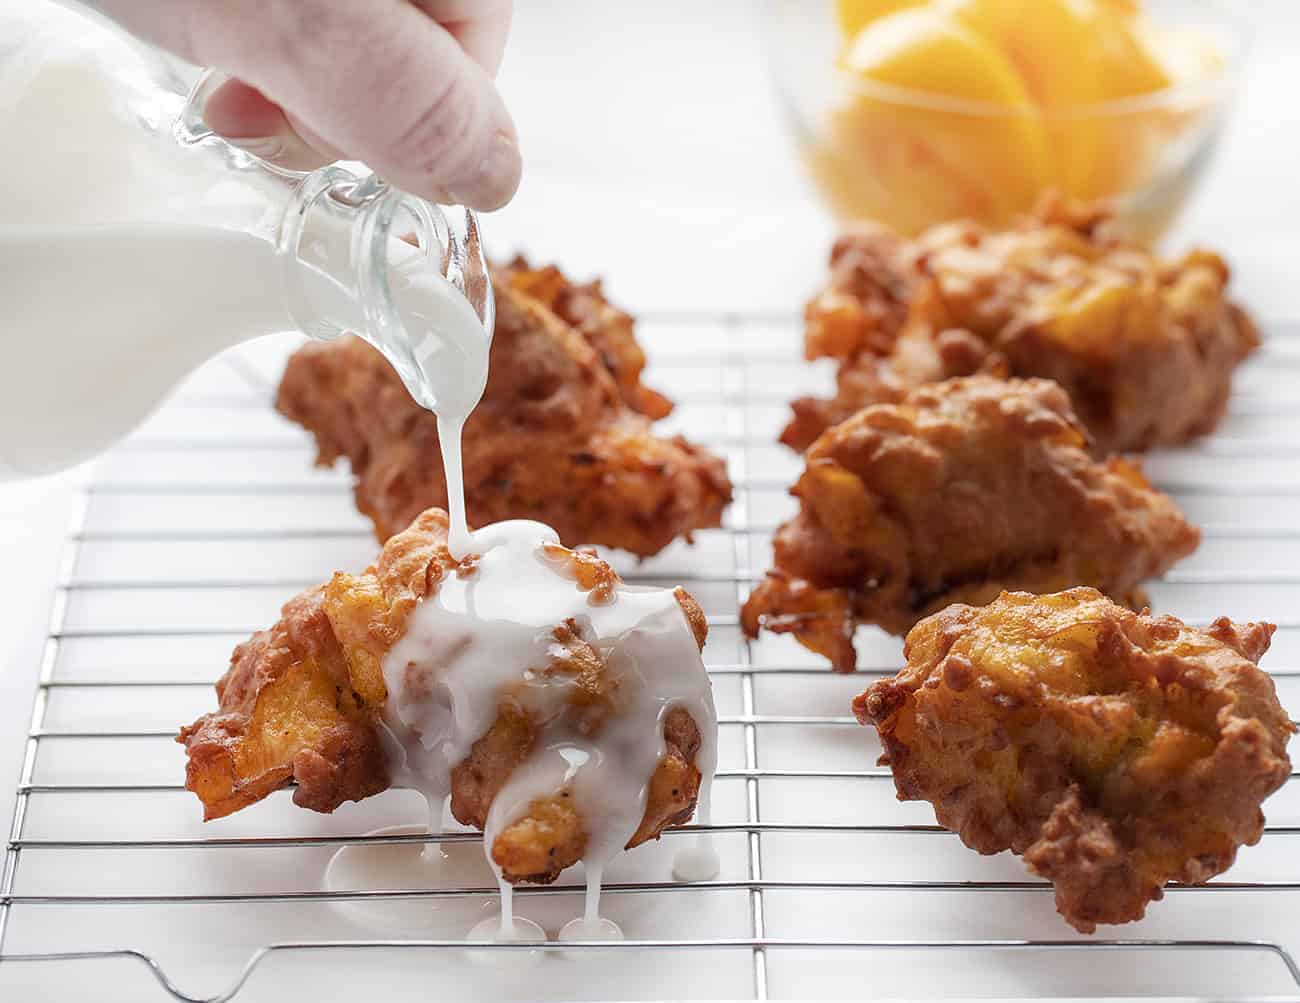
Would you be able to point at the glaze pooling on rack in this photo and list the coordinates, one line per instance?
(591, 925)
(490, 633)
(506, 929)
(700, 862)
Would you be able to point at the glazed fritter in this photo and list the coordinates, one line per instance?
(563, 433)
(962, 490)
(302, 702)
(1145, 348)
(1114, 751)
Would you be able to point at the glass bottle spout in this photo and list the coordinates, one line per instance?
(352, 250)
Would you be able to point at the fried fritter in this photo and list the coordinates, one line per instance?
(963, 489)
(1145, 347)
(1114, 751)
(562, 435)
(607, 329)
(302, 704)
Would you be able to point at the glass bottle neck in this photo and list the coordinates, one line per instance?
(342, 239)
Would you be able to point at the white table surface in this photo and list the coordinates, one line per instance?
(656, 158)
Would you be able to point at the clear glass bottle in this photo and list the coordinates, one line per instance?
(135, 243)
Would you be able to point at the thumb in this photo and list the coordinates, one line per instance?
(381, 81)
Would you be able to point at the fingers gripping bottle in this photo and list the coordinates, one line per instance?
(135, 244)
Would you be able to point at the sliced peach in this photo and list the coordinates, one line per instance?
(1133, 137)
(1127, 63)
(1047, 42)
(1124, 8)
(971, 143)
(924, 50)
(1051, 45)
(854, 15)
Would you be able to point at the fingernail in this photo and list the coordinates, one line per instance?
(264, 147)
(495, 180)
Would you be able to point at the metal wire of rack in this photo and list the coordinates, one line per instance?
(195, 530)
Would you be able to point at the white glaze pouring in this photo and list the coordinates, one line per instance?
(493, 628)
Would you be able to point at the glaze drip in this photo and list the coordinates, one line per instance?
(519, 628)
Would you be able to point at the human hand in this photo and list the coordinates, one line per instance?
(405, 85)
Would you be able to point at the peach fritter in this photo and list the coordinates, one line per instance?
(963, 489)
(563, 434)
(302, 704)
(1145, 347)
(1114, 751)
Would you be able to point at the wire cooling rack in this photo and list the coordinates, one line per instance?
(192, 534)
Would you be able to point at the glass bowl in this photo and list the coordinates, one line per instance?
(911, 159)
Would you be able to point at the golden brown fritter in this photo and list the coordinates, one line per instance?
(1145, 348)
(301, 703)
(1114, 751)
(562, 434)
(963, 489)
(608, 329)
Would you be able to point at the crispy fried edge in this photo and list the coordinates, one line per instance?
(1076, 848)
(825, 619)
